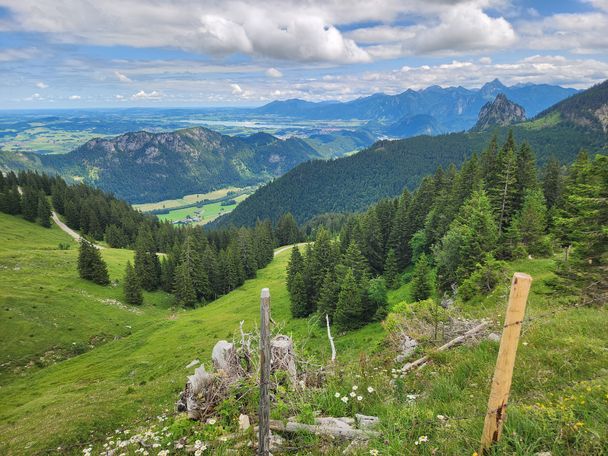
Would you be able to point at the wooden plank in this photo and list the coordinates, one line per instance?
(503, 373)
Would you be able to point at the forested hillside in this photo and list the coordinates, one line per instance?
(462, 223)
(353, 183)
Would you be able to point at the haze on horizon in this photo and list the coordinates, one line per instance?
(120, 53)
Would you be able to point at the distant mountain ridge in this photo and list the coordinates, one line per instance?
(144, 167)
(383, 170)
(500, 112)
(452, 108)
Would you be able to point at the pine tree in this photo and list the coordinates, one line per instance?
(193, 265)
(147, 264)
(29, 204)
(132, 287)
(247, 253)
(349, 308)
(90, 264)
(328, 297)
(372, 244)
(184, 288)
(287, 231)
(502, 195)
(398, 240)
(44, 211)
(13, 201)
(323, 260)
(470, 237)
(354, 260)
(376, 303)
(526, 173)
(294, 266)
(391, 271)
(552, 182)
(421, 287)
(298, 297)
(532, 221)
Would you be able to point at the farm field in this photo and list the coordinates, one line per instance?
(207, 212)
(188, 199)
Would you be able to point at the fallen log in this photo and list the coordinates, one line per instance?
(342, 432)
(458, 340)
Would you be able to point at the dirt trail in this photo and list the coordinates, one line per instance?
(69, 230)
(287, 247)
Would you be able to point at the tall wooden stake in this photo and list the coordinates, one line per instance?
(503, 373)
(264, 412)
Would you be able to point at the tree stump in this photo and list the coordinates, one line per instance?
(283, 357)
(226, 359)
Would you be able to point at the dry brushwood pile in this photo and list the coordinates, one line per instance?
(236, 362)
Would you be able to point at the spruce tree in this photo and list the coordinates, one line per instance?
(29, 204)
(532, 221)
(294, 266)
(421, 287)
(132, 287)
(44, 211)
(147, 264)
(503, 193)
(391, 270)
(298, 297)
(287, 231)
(526, 173)
(398, 240)
(552, 182)
(470, 237)
(354, 260)
(184, 291)
(376, 302)
(349, 308)
(328, 297)
(90, 264)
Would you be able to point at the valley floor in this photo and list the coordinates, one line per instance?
(77, 364)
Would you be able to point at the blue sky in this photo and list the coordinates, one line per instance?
(112, 53)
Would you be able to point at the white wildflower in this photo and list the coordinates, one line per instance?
(370, 389)
(355, 387)
(421, 439)
(337, 395)
(440, 417)
(198, 452)
(374, 452)
(352, 394)
(163, 453)
(212, 421)
(344, 399)
(359, 398)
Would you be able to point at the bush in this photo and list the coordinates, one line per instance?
(484, 279)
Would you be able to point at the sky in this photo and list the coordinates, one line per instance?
(123, 53)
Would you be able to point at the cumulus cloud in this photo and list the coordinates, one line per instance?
(121, 77)
(273, 73)
(236, 89)
(142, 95)
(42, 85)
(75, 97)
(465, 28)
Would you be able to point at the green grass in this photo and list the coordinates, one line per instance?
(188, 199)
(558, 403)
(139, 374)
(209, 211)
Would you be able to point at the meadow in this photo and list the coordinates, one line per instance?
(186, 200)
(207, 212)
(559, 400)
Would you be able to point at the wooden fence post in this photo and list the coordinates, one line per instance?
(264, 412)
(503, 373)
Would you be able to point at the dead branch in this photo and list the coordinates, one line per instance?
(341, 432)
(458, 340)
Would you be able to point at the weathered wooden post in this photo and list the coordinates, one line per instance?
(264, 412)
(503, 373)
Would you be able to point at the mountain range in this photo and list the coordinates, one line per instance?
(143, 167)
(445, 110)
(353, 183)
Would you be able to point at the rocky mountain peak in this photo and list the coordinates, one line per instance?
(500, 112)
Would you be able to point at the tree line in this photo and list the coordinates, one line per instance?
(454, 231)
(193, 264)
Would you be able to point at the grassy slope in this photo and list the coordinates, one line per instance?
(127, 381)
(138, 375)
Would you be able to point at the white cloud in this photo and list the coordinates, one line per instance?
(485, 60)
(599, 4)
(464, 28)
(578, 32)
(75, 97)
(121, 77)
(142, 95)
(35, 97)
(273, 73)
(42, 85)
(236, 89)
(9, 55)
